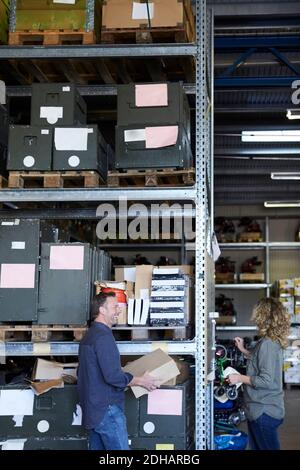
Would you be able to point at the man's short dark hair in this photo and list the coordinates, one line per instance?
(98, 301)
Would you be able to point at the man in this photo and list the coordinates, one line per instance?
(101, 381)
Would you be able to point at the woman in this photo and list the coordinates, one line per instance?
(263, 393)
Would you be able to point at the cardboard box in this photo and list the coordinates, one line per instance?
(288, 302)
(252, 277)
(111, 284)
(285, 287)
(158, 364)
(122, 14)
(184, 374)
(297, 287)
(143, 278)
(50, 374)
(52, 370)
(128, 273)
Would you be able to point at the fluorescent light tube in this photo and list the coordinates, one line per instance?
(285, 176)
(271, 136)
(272, 204)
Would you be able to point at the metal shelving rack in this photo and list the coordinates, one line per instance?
(267, 246)
(201, 195)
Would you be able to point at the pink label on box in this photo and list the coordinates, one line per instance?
(151, 95)
(162, 136)
(17, 276)
(66, 257)
(165, 402)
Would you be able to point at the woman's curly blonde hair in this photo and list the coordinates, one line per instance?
(272, 320)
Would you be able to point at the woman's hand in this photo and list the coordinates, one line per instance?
(234, 379)
(239, 342)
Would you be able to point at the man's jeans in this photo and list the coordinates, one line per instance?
(111, 433)
(263, 433)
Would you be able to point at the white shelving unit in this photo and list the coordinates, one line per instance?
(277, 265)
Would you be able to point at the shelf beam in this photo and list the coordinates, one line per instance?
(87, 90)
(98, 194)
(243, 286)
(71, 348)
(96, 51)
(236, 328)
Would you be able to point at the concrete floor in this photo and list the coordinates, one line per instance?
(290, 430)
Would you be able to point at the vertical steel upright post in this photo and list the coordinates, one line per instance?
(201, 222)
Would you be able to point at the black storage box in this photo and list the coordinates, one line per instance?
(57, 104)
(29, 148)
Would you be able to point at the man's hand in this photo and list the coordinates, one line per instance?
(146, 381)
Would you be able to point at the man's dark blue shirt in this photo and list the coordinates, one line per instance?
(101, 381)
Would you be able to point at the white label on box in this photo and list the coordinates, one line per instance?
(144, 294)
(130, 311)
(168, 293)
(166, 271)
(168, 282)
(149, 427)
(129, 274)
(71, 138)
(18, 420)
(74, 161)
(166, 304)
(77, 416)
(13, 444)
(29, 161)
(135, 135)
(168, 316)
(51, 113)
(17, 221)
(43, 426)
(18, 245)
(16, 402)
(66, 88)
(140, 11)
(45, 131)
(67, 2)
(7, 223)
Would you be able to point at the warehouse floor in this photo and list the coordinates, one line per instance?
(290, 430)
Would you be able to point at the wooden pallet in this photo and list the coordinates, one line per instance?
(3, 182)
(54, 179)
(51, 37)
(145, 35)
(164, 177)
(250, 237)
(41, 333)
(124, 31)
(225, 278)
(226, 237)
(252, 277)
(152, 333)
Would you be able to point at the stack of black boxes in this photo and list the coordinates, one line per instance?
(45, 281)
(48, 421)
(58, 137)
(153, 129)
(168, 302)
(163, 419)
